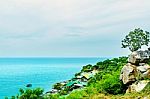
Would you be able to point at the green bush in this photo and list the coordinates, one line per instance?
(65, 91)
(105, 81)
(87, 68)
(29, 94)
(112, 65)
(111, 84)
(52, 96)
(57, 86)
(77, 94)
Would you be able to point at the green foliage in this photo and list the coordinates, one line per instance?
(65, 91)
(107, 67)
(6, 97)
(87, 68)
(77, 74)
(57, 86)
(13, 97)
(52, 96)
(106, 81)
(135, 39)
(29, 94)
(111, 84)
(77, 94)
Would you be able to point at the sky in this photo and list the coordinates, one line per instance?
(69, 28)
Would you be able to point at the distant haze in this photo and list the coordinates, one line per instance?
(69, 28)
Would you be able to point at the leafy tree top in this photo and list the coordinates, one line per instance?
(135, 39)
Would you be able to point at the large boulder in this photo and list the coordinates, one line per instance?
(138, 86)
(137, 57)
(143, 70)
(131, 73)
(128, 73)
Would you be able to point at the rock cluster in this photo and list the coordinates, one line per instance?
(136, 72)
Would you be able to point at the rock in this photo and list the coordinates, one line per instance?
(146, 74)
(131, 73)
(128, 73)
(138, 86)
(53, 91)
(145, 98)
(29, 85)
(139, 97)
(136, 71)
(143, 68)
(144, 71)
(137, 57)
(134, 58)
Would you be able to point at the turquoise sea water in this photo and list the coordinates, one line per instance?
(16, 73)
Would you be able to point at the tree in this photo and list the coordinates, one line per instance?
(29, 94)
(135, 39)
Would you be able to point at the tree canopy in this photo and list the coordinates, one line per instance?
(135, 39)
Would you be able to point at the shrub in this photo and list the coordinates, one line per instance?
(77, 94)
(87, 68)
(29, 94)
(58, 86)
(52, 96)
(111, 84)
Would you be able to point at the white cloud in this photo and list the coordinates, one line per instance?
(56, 24)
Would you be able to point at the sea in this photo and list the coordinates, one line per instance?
(16, 73)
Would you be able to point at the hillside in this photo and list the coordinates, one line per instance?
(106, 80)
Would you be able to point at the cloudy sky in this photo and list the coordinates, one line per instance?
(69, 28)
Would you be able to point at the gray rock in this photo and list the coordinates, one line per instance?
(136, 71)
(137, 57)
(29, 85)
(128, 73)
(138, 86)
(143, 68)
(142, 64)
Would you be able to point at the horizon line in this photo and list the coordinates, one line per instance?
(57, 56)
